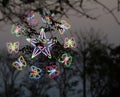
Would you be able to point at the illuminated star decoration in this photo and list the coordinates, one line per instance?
(65, 59)
(42, 35)
(13, 47)
(17, 29)
(20, 63)
(30, 19)
(69, 42)
(41, 45)
(52, 71)
(50, 43)
(35, 72)
(63, 26)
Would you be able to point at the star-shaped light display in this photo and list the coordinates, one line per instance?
(42, 35)
(41, 45)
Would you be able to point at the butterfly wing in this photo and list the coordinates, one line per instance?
(16, 45)
(66, 25)
(66, 45)
(22, 61)
(56, 73)
(9, 47)
(68, 63)
(16, 65)
(74, 42)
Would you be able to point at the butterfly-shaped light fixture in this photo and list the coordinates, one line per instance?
(20, 63)
(66, 59)
(35, 72)
(13, 47)
(17, 29)
(69, 42)
(30, 18)
(63, 26)
(52, 71)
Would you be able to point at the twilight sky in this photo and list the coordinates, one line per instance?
(105, 23)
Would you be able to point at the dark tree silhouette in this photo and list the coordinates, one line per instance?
(94, 54)
(11, 9)
(95, 61)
